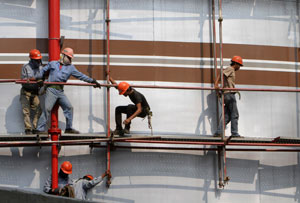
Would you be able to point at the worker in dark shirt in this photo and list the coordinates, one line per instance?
(140, 108)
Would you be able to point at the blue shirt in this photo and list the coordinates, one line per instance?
(62, 75)
(61, 183)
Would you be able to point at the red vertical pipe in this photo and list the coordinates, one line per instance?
(108, 89)
(54, 52)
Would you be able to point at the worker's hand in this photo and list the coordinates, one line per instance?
(55, 191)
(127, 121)
(103, 175)
(96, 84)
(108, 174)
(40, 83)
(217, 90)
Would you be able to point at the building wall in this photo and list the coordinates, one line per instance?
(162, 43)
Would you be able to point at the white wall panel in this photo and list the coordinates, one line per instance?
(265, 22)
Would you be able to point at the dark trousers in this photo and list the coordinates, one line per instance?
(231, 113)
(128, 110)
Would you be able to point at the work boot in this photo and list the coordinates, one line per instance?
(40, 132)
(28, 132)
(118, 132)
(126, 131)
(236, 135)
(71, 131)
(217, 135)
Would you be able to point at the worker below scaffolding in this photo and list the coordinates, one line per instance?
(140, 108)
(61, 71)
(63, 179)
(29, 95)
(230, 107)
(87, 182)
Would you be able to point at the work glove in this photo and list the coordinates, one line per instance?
(40, 83)
(96, 84)
(55, 191)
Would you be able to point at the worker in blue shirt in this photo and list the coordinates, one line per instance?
(29, 96)
(61, 71)
(83, 185)
(63, 179)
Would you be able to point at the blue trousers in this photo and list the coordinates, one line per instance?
(231, 114)
(53, 96)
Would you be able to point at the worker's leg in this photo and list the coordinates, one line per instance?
(130, 110)
(227, 108)
(35, 106)
(50, 100)
(226, 115)
(67, 109)
(118, 116)
(234, 115)
(25, 102)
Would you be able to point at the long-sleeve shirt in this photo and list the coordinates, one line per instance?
(28, 71)
(61, 183)
(82, 186)
(61, 73)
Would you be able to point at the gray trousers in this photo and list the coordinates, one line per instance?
(231, 114)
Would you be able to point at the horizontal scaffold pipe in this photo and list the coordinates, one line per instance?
(68, 142)
(201, 148)
(49, 143)
(167, 87)
(7, 81)
(212, 143)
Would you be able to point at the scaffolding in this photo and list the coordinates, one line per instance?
(109, 142)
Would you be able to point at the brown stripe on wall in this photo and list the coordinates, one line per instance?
(167, 74)
(150, 48)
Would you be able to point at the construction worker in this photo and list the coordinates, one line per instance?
(63, 179)
(61, 71)
(231, 110)
(140, 108)
(29, 96)
(82, 185)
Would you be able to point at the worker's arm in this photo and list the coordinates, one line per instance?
(113, 82)
(217, 82)
(89, 184)
(135, 114)
(47, 187)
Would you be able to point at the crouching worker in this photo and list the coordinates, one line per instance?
(64, 181)
(82, 185)
(61, 71)
(140, 108)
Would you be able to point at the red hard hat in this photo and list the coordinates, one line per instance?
(90, 177)
(66, 167)
(35, 54)
(238, 60)
(68, 51)
(123, 87)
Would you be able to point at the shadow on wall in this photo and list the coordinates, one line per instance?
(29, 167)
(169, 172)
(13, 117)
(210, 114)
(253, 177)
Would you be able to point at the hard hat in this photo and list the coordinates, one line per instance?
(238, 60)
(88, 176)
(66, 167)
(123, 87)
(68, 51)
(35, 54)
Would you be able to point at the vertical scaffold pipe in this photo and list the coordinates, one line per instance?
(108, 89)
(225, 178)
(215, 56)
(54, 52)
